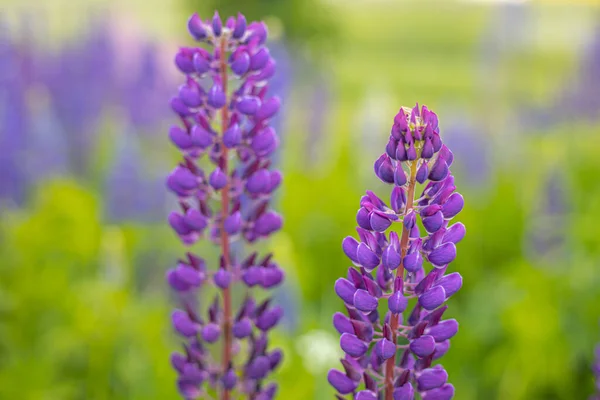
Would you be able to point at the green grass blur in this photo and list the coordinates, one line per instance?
(84, 310)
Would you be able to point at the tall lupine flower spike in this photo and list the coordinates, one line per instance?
(390, 356)
(225, 117)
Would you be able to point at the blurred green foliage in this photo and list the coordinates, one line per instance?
(302, 22)
(84, 311)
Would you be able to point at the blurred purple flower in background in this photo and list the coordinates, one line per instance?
(12, 140)
(471, 145)
(507, 31)
(317, 110)
(577, 100)
(390, 268)
(55, 102)
(124, 179)
(368, 123)
(79, 78)
(225, 109)
(46, 151)
(13, 121)
(543, 242)
(139, 94)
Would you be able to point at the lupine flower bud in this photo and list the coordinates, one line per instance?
(196, 27)
(230, 198)
(201, 63)
(394, 267)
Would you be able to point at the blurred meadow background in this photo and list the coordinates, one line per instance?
(84, 152)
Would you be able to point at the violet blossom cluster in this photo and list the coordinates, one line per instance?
(225, 112)
(391, 356)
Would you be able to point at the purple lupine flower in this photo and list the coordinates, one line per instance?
(392, 354)
(225, 113)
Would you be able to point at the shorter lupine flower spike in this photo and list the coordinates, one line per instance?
(224, 119)
(392, 355)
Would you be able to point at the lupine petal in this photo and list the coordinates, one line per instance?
(423, 346)
(433, 298)
(341, 382)
(342, 323)
(451, 283)
(364, 301)
(366, 257)
(432, 378)
(443, 254)
(345, 289)
(455, 233)
(444, 330)
(404, 392)
(352, 345)
(385, 349)
(446, 392)
(453, 205)
(397, 303)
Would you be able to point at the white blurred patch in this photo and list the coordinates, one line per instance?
(319, 351)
